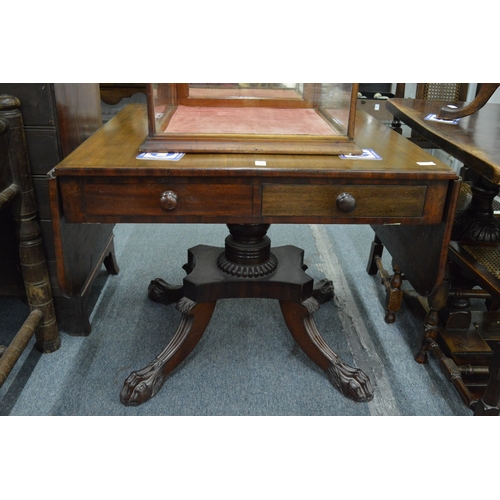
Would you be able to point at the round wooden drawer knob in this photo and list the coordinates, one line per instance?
(346, 202)
(168, 200)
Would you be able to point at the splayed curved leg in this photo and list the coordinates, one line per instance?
(142, 385)
(352, 382)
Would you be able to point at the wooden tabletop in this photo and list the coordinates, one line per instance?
(474, 140)
(112, 150)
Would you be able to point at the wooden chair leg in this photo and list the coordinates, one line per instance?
(489, 404)
(10, 354)
(394, 294)
(436, 302)
(20, 197)
(376, 251)
(37, 282)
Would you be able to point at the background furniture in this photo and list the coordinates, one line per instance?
(484, 92)
(466, 343)
(375, 106)
(16, 192)
(449, 92)
(113, 93)
(97, 182)
(57, 119)
(452, 92)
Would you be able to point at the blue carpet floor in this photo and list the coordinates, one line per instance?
(246, 366)
(247, 362)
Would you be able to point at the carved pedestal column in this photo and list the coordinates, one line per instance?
(477, 223)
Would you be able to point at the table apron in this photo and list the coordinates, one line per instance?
(98, 200)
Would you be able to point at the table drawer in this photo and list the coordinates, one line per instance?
(167, 199)
(321, 200)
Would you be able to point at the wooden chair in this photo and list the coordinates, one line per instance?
(484, 93)
(16, 192)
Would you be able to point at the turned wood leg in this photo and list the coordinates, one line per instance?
(37, 284)
(20, 197)
(10, 355)
(376, 251)
(352, 382)
(394, 295)
(436, 302)
(142, 385)
(457, 313)
(452, 372)
(489, 404)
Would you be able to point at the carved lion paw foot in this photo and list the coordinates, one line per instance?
(141, 386)
(323, 291)
(164, 293)
(352, 382)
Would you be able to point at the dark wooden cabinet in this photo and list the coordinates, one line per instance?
(57, 118)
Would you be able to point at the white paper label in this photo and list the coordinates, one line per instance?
(260, 163)
(425, 163)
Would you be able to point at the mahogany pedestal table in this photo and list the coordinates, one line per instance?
(103, 181)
